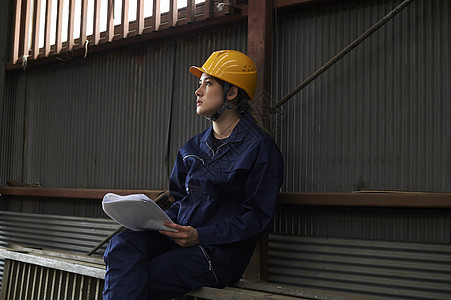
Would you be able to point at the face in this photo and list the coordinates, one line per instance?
(209, 95)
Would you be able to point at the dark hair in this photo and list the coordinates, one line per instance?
(242, 98)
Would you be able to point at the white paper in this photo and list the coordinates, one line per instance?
(136, 212)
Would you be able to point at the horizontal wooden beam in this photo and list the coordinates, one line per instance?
(71, 193)
(357, 199)
(370, 199)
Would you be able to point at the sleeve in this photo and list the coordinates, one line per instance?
(261, 192)
(177, 186)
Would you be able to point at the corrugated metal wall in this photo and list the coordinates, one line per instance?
(62, 233)
(389, 270)
(377, 119)
(113, 120)
(380, 117)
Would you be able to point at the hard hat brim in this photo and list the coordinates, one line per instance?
(197, 71)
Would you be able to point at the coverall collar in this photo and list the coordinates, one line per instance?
(237, 134)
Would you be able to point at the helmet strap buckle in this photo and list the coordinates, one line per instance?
(224, 106)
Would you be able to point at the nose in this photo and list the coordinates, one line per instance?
(198, 92)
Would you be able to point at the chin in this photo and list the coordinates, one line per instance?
(201, 112)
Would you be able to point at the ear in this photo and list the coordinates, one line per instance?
(233, 93)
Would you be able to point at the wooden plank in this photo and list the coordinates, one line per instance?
(59, 27)
(16, 32)
(54, 263)
(48, 22)
(208, 9)
(148, 36)
(96, 22)
(173, 13)
(190, 11)
(124, 19)
(57, 254)
(70, 26)
(230, 293)
(110, 21)
(83, 23)
(370, 199)
(140, 17)
(358, 199)
(72, 193)
(24, 45)
(156, 15)
(36, 28)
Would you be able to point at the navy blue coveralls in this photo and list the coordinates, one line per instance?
(229, 196)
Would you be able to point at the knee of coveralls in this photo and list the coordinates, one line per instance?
(179, 271)
(127, 258)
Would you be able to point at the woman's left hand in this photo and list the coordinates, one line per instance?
(186, 236)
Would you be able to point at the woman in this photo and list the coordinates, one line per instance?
(225, 182)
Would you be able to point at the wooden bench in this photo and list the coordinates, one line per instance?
(43, 274)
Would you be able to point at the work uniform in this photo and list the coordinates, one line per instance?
(228, 195)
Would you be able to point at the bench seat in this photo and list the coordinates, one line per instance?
(32, 273)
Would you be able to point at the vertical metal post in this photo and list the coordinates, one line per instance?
(259, 50)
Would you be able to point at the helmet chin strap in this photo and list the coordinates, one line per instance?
(224, 106)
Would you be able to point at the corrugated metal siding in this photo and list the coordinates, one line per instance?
(380, 117)
(29, 281)
(389, 270)
(114, 120)
(389, 224)
(72, 234)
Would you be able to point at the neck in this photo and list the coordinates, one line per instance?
(225, 124)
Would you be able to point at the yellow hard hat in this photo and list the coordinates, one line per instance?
(231, 66)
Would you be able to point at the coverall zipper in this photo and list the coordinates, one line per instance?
(214, 152)
(210, 265)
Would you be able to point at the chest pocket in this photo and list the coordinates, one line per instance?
(237, 172)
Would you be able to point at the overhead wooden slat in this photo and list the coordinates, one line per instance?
(124, 19)
(70, 26)
(83, 22)
(156, 18)
(36, 23)
(96, 23)
(208, 9)
(48, 22)
(173, 13)
(59, 26)
(110, 21)
(16, 32)
(140, 17)
(190, 11)
(24, 45)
